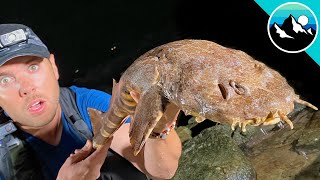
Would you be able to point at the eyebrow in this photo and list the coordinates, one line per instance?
(4, 73)
(28, 61)
(33, 58)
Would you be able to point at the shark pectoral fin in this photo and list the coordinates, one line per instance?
(114, 86)
(96, 118)
(147, 114)
(170, 115)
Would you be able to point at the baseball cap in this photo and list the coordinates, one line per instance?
(19, 40)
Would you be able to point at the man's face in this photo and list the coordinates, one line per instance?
(29, 90)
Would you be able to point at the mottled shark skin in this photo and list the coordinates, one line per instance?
(203, 79)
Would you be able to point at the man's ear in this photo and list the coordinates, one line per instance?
(54, 66)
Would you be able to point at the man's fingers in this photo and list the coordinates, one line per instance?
(80, 154)
(100, 154)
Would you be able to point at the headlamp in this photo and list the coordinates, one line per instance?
(13, 37)
(19, 40)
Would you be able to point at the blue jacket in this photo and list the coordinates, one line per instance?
(53, 157)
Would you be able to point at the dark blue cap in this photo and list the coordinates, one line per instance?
(19, 40)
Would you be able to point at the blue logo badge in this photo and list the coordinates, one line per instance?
(292, 27)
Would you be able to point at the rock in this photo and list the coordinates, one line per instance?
(184, 133)
(308, 142)
(289, 154)
(213, 154)
(270, 152)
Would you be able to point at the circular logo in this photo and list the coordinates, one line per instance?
(292, 27)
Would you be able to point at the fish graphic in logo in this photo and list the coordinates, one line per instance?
(292, 27)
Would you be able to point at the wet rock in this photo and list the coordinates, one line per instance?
(213, 154)
(308, 142)
(289, 154)
(268, 152)
(184, 133)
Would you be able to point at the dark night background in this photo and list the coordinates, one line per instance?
(83, 34)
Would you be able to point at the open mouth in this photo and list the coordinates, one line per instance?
(36, 106)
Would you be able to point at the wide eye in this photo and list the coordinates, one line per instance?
(4, 80)
(33, 67)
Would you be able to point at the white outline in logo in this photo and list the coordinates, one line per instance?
(315, 17)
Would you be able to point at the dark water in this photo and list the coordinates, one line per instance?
(95, 41)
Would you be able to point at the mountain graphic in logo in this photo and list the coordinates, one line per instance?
(292, 27)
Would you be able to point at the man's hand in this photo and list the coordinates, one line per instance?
(82, 164)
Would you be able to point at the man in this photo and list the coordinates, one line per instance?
(29, 95)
